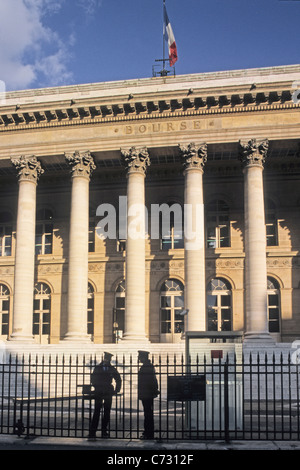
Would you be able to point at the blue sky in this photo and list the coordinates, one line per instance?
(51, 42)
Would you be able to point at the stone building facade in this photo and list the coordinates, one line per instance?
(221, 149)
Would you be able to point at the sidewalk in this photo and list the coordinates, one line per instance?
(11, 442)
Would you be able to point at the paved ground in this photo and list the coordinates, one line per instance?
(11, 442)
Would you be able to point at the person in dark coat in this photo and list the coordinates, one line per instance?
(102, 378)
(147, 391)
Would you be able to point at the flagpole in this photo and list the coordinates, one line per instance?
(164, 35)
(168, 36)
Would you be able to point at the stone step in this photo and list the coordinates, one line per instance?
(121, 349)
(80, 350)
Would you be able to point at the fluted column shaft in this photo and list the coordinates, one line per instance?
(253, 157)
(136, 162)
(194, 158)
(29, 170)
(82, 165)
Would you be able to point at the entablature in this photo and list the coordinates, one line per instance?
(191, 102)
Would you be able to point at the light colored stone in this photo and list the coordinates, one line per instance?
(255, 244)
(136, 162)
(29, 170)
(194, 160)
(78, 248)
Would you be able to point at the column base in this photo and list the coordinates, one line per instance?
(134, 338)
(16, 337)
(259, 337)
(76, 338)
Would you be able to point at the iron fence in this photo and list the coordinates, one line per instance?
(230, 398)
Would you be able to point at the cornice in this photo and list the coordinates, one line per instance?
(273, 75)
(86, 112)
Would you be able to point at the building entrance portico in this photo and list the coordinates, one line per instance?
(225, 155)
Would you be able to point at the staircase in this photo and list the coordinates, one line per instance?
(88, 349)
(159, 351)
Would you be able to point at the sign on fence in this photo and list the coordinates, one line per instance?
(186, 388)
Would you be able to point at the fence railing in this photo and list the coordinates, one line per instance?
(230, 398)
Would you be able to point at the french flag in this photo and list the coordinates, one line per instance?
(171, 39)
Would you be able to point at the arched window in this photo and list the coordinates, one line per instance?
(219, 305)
(90, 310)
(41, 309)
(217, 224)
(119, 312)
(171, 306)
(5, 233)
(4, 308)
(271, 223)
(273, 305)
(44, 232)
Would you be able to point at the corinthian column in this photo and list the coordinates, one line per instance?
(252, 155)
(194, 158)
(82, 165)
(136, 162)
(28, 169)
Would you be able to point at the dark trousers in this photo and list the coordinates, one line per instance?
(105, 401)
(148, 418)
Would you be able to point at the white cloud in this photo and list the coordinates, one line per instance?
(89, 6)
(53, 68)
(31, 54)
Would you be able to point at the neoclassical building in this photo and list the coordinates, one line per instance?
(211, 161)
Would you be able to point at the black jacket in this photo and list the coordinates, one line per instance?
(147, 382)
(102, 379)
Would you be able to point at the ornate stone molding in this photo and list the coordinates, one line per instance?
(193, 155)
(28, 168)
(49, 269)
(253, 153)
(281, 262)
(82, 163)
(81, 112)
(7, 270)
(136, 160)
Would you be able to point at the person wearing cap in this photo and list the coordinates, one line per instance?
(147, 391)
(102, 378)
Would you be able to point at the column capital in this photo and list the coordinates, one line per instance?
(253, 153)
(81, 163)
(28, 168)
(136, 160)
(194, 156)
